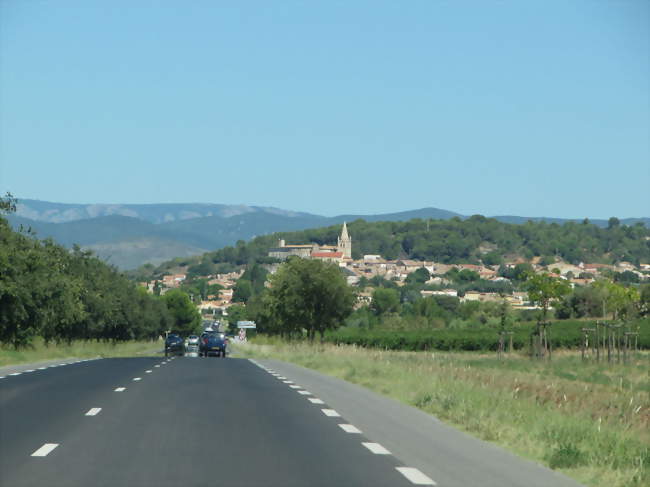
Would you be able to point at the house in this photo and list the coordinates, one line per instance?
(343, 246)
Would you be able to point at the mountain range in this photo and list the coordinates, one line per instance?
(133, 234)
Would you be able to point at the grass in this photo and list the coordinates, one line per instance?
(590, 421)
(80, 349)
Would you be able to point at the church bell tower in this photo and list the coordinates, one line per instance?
(345, 243)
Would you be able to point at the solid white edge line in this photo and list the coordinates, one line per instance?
(376, 448)
(415, 476)
(45, 450)
(93, 411)
(120, 389)
(349, 428)
(315, 400)
(331, 413)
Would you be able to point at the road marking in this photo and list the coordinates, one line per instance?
(63, 364)
(137, 378)
(331, 413)
(376, 448)
(304, 393)
(93, 411)
(2, 377)
(287, 382)
(294, 386)
(315, 400)
(148, 371)
(120, 389)
(42, 368)
(30, 370)
(156, 365)
(415, 476)
(349, 428)
(16, 373)
(45, 450)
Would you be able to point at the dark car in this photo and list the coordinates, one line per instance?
(173, 345)
(212, 343)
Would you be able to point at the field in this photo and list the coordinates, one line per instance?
(78, 348)
(588, 420)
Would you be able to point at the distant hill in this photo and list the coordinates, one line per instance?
(130, 235)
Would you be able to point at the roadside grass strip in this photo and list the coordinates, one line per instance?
(120, 389)
(331, 413)
(350, 428)
(93, 411)
(376, 448)
(45, 450)
(415, 476)
(315, 400)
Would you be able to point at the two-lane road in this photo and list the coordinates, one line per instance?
(186, 421)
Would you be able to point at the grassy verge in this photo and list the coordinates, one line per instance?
(80, 349)
(590, 421)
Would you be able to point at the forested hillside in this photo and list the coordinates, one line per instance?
(454, 241)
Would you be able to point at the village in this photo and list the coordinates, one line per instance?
(359, 272)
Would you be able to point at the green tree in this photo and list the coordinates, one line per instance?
(186, 317)
(243, 291)
(385, 300)
(542, 290)
(307, 294)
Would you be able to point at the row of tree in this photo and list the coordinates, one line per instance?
(61, 295)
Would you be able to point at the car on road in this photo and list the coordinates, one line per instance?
(212, 343)
(173, 345)
(192, 340)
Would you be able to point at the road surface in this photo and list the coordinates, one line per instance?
(227, 422)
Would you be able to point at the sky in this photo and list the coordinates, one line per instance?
(534, 108)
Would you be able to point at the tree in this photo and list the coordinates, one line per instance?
(307, 294)
(186, 317)
(243, 291)
(385, 300)
(542, 290)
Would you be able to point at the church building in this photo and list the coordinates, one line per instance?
(338, 253)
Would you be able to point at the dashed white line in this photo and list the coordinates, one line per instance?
(315, 400)
(415, 476)
(45, 450)
(137, 378)
(156, 365)
(304, 393)
(30, 370)
(349, 428)
(376, 448)
(2, 377)
(120, 389)
(294, 386)
(331, 413)
(93, 411)
(287, 382)
(63, 364)
(42, 368)
(16, 373)
(147, 371)
(280, 377)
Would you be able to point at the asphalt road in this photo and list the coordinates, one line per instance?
(229, 422)
(182, 422)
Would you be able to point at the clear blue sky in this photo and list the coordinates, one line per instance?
(533, 108)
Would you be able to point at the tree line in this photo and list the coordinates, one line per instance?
(60, 295)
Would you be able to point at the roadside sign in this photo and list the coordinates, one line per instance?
(246, 324)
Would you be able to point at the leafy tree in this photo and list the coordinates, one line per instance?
(242, 291)
(186, 317)
(307, 294)
(385, 300)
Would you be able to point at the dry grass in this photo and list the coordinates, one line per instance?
(590, 421)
